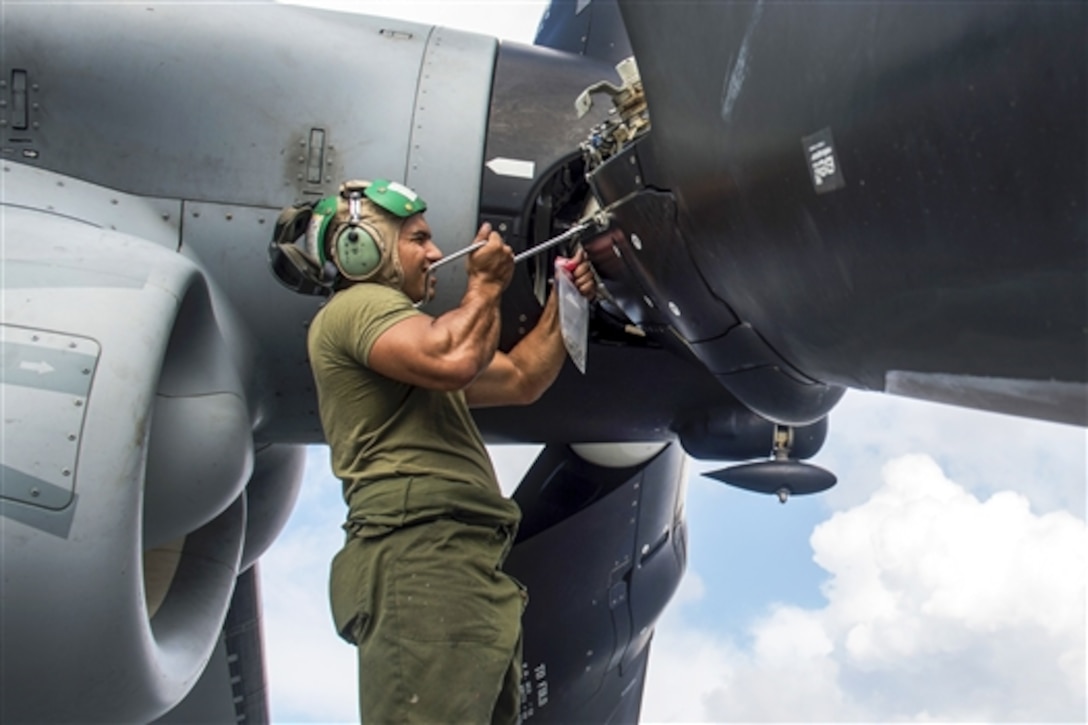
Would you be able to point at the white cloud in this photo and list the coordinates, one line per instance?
(685, 664)
(940, 606)
(785, 674)
(983, 452)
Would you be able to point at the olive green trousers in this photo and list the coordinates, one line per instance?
(436, 621)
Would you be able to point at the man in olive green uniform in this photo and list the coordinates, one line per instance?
(418, 586)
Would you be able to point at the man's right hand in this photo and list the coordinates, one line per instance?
(493, 263)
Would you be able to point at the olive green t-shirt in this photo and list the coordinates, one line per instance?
(380, 429)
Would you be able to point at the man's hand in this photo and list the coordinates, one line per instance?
(493, 263)
(580, 273)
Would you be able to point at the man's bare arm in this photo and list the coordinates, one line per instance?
(450, 351)
(521, 376)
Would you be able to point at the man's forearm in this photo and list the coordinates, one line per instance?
(539, 355)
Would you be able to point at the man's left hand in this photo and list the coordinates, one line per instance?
(580, 273)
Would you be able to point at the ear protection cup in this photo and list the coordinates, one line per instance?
(344, 237)
(358, 254)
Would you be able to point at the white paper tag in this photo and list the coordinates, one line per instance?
(573, 319)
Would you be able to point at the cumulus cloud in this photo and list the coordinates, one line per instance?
(940, 606)
(983, 452)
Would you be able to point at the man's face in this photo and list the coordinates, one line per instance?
(417, 253)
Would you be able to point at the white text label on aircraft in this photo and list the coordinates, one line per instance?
(512, 167)
(823, 165)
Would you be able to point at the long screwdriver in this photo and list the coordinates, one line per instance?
(599, 219)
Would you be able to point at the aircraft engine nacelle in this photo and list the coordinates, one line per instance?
(127, 449)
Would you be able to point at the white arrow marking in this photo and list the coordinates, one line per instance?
(41, 368)
(512, 167)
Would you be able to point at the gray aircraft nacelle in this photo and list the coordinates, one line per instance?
(156, 386)
(129, 444)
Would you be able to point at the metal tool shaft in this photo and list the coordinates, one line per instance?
(456, 255)
(530, 252)
(549, 243)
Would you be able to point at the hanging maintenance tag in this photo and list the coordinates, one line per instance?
(573, 317)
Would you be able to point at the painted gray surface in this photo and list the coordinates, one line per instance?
(217, 104)
(125, 667)
(46, 381)
(43, 368)
(149, 218)
(447, 143)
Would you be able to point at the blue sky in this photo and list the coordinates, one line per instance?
(942, 579)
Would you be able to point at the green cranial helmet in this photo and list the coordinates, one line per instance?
(397, 199)
(358, 229)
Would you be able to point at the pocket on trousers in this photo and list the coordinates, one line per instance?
(446, 588)
(351, 591)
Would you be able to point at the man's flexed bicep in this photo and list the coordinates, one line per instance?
(448, 352)
(432, 353)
